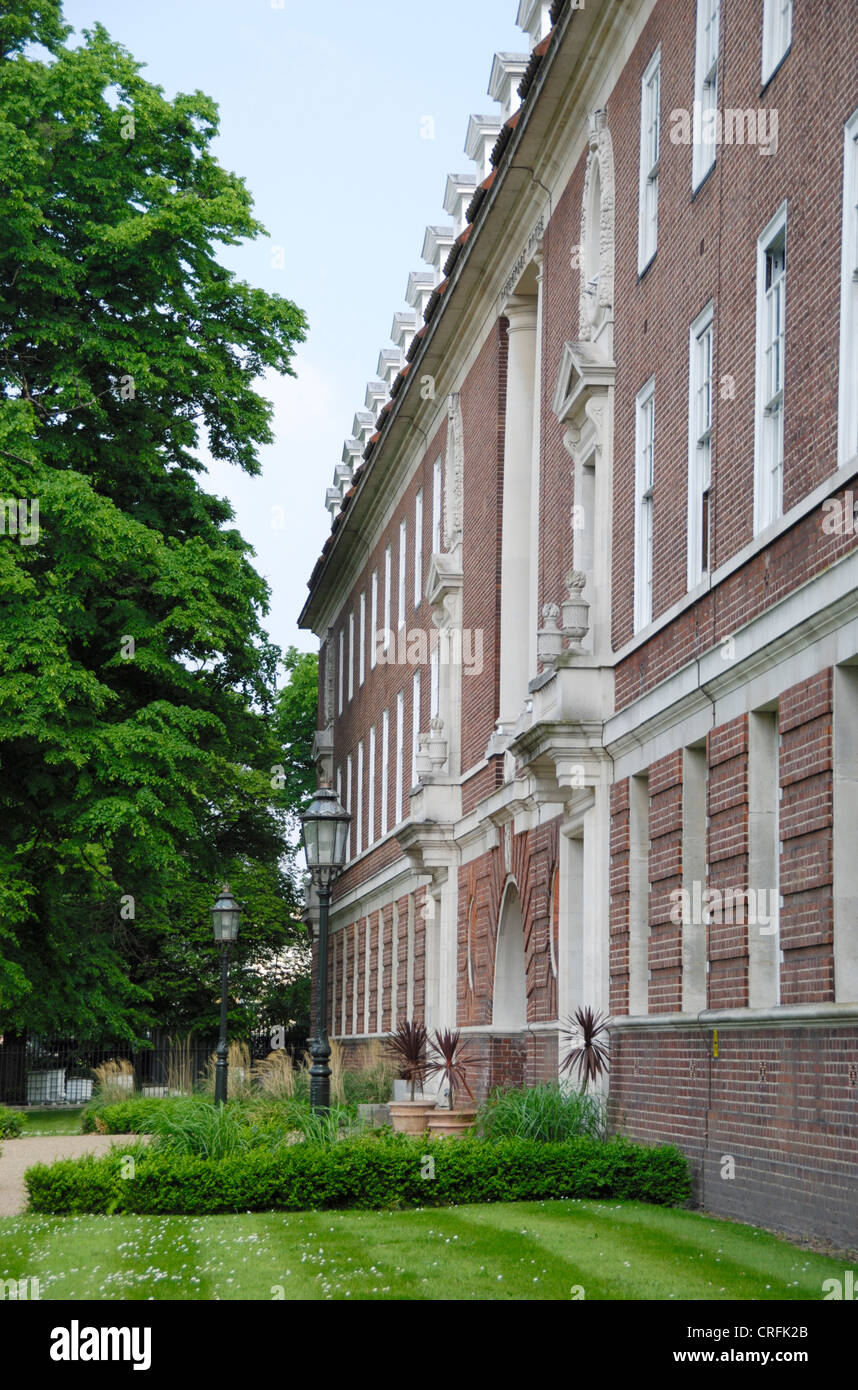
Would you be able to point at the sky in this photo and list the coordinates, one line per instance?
(344, 119)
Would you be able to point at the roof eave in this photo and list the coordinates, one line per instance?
(551, 76)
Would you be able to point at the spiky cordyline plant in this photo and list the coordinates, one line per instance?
(451, 1060)
(590, 1053)
(408, 1046)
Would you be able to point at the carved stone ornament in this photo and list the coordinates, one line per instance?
(576, 610)
(424, 762)
(549, 637)
(596, 247)
(454, 482)
(328, 701)
(437, 744)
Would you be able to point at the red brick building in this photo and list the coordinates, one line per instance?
(600, 511)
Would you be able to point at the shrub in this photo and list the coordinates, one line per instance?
(180, 1066)
(337, 1065)
(372, 1086)
(11, 1124)
(202, 1131)
(325, 1127)
(450, 1060)
(240, 1073)
(590, 1053)
(136, 1115)
(545, 1113)
(302, 1082)
(194, 1126)
(275, 1075)
(113, 1080)
(406, 1047)
(369, 1172)
(274, 1123)
(379, 1074)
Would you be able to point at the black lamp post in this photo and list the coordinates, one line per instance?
(226, 914)
(326, 828)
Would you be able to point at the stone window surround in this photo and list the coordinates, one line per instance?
(650, 95)
(767, 509)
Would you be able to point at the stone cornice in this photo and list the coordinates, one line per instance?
(833, 483)
(797, 619)
(786, 1016)
(583, 373)
(474, 833)
(508, 211)
(491, 1030)
(378, 889)
(443, 580)
(429, 847)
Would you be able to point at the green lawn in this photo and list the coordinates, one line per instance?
(528, 1250)
(52, 1121)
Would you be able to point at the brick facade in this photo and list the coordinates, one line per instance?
(649, 770)
(780, 1102)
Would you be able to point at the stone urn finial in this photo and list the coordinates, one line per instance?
(596, 122)
(424, 762)
(549, 638)
(576, 610)
(437, 744)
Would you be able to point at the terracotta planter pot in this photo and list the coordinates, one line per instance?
(410, 1116)
(451, 1123)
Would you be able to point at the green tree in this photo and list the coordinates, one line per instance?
(137, 684)
(296, 722)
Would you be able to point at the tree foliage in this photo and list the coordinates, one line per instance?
(138, 708)
(296, 725)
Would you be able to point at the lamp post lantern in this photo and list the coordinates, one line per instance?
(226, 915)
(326, 826)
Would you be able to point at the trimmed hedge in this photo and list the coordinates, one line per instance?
(371, 1172)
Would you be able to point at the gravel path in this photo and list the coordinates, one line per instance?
(20, 1154)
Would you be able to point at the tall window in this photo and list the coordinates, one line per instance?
(434, 684)
(699, 445)
(403, 558)
(388, 580)
(436, 507)
(340, 672)
(385, 766)
(359, 801)
(415, 725)
(644, 479)
(351, 655)
(374, 621)
(777, 33)
(400, 747)
(370, 816)
(349, 804)
(848, 412)
(362, 636)
(648, 208)
(771, 320)
(705, 89)
(418, 548)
